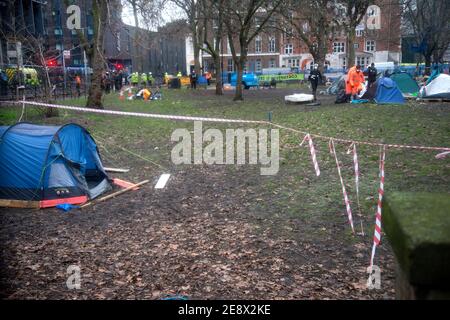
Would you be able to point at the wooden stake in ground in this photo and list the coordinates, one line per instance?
(115, 194)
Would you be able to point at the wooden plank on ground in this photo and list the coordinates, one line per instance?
(19, 204)
(119, 170)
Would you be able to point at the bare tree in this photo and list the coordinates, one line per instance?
(244, 20)
(191, 9)
(213, 33)
(429, 23)
(350, 14)
(94, 50)
(146, 13)
(313, 23)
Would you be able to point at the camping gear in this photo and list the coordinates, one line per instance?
(66, 207)
(358, 101)
(407, 85)
(388, 92)
(132, 187)
(384, 90)
(175, 83)
(439, 88)
(342, 97)
(43, 166)
(338, 84)
(299, 98)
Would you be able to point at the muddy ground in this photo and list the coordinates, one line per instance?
(201, 237)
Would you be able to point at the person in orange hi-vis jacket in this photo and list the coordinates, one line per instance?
(355, 79)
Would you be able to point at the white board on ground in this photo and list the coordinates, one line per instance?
(162, 181)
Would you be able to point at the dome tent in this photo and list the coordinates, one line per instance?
(388, 92)
(384, 91)
(42, 166)
(406, 84)
(438, 88)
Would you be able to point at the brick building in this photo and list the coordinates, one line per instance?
(378, 39)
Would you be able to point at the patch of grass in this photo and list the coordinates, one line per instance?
(295, 192)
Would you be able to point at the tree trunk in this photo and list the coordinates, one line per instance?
(427, 57)
(319, 59)
(137, 55)
(351, 35)
(100, 12)
(196, 53)
(240, 68)
(219, 90)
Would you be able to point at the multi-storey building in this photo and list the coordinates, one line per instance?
(162, 51)
(378, 39)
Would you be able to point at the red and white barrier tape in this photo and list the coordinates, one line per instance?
(344, 192)
(346, 141)
(356, 167)
(313, 153)
(377, 232)
(189, 118)
(137, 114)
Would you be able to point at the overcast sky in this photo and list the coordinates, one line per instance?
(170, 12)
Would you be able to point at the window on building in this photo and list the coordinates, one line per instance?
(272, 63)
(292, 63)
(58, 46)
(258, 65)
(356, 45)
(58, 32)
(230, 67)
(370, 45)
(359, 31)
(362, 61)
(288, 48)
(338, 47)
(272, 44)
(258, 44)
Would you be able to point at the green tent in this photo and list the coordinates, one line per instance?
(406, 84)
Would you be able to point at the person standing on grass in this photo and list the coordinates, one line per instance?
(78, 84)
(371, 75)
(193, 78)
(355, 79)
(314, 77)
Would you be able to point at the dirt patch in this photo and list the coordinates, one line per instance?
(199, 237)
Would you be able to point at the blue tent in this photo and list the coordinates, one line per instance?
(49, 165)
(388, 92)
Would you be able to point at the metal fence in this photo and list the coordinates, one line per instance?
(37, 82)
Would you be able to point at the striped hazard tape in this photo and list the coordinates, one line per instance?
(344, 191)
(135, 114)
(206, 119)
(313, 153)
(377, 232)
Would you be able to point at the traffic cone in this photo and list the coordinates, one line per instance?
(130, 94)
(121, 96)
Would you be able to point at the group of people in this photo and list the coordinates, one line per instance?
(113, 80)
(353, 84)
(143, 78)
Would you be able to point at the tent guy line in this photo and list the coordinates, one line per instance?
(206, 119)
